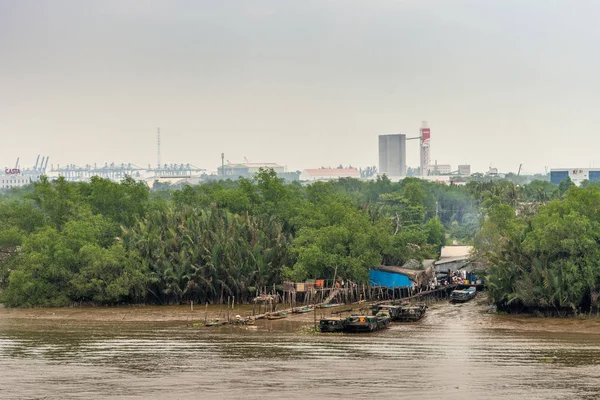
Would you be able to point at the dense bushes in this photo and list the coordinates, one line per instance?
(103, 242)
(547, 262)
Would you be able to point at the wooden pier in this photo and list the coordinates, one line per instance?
(425, 295)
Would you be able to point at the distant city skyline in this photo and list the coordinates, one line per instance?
(303, 84)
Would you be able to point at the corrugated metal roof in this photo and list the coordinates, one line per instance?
(456, 251)
(447, 260)
(411, 273)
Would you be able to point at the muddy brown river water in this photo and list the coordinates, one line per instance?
(455, 352)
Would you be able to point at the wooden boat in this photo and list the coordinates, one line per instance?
(361, 323)
(412, 313)
(402, 311)
(277, 315)
(243, 321)
(462, 296)
(383, 319)
(328, 305)
(302, 310)
(392, 310)
(331, 325)
(215, 322)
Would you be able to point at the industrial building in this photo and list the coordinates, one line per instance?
(439, 169)
(577, 175)
(15, 180)
(18, 177)
(392, 155)
(328, 174)
(247, 170)
(464, 170)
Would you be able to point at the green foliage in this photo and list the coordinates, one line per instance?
(208, 254)
(105, 243)
(341, 243)
(551, 262)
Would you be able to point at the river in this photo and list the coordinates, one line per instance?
(455, 352)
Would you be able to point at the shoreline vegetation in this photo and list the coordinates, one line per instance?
(107, 243)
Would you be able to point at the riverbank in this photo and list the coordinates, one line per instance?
(185, 315)
(181, 313)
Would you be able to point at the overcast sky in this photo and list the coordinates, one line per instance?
(302, 83)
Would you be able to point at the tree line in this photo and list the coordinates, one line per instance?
(540, 244)
(102, 242)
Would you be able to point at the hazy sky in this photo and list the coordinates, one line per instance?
(303, 83)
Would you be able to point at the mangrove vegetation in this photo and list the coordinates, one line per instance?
(100, 242)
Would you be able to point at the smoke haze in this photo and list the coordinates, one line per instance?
(302, 83)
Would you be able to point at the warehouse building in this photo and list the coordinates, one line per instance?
(577, 175)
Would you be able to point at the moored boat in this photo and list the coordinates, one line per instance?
(361, 323)
(331, 325)
(215, 322)
(402, 311)
(383, 319)
(412, 312)
(277, 315)
(328, 305)
(302, 310)
(243, 321)
(462, 296)
(392, 310)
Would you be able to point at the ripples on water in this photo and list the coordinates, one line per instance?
(452, 353)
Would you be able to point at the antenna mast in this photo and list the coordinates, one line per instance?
(158, 148)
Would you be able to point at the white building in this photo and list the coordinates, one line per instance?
(14, 178)
(439, 169)
(577, 175)
(328, 174)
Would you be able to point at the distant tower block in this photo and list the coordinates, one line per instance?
(392, 155)
(425, 134)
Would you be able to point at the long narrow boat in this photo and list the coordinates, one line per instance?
(328, 305)
(302, 310)
(462, 296)
(277, 315)
(215, 322)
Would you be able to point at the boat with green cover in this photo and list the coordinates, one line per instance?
(361, 323)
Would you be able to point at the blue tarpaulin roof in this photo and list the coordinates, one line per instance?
(389, 279)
